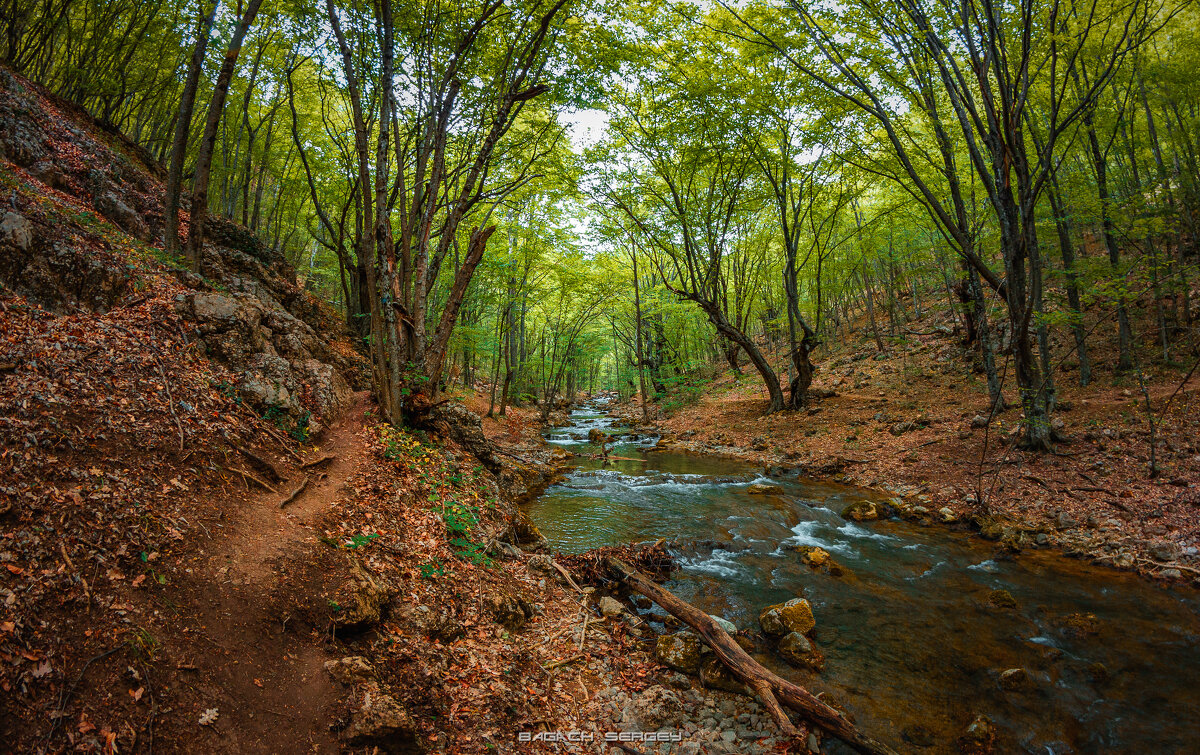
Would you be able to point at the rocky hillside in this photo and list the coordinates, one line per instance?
(211, 544)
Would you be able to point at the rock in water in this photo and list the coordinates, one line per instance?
(763, 489)
(793, 616)
(978, 738)
(1014, 679)
(679, 651)
(813, 556)
(1002, 599)
(725, 624)
(862, 511)
(798, 651)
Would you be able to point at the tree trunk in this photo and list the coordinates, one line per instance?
(183, 125)
(208, 141)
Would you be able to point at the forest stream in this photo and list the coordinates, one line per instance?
(914, 646)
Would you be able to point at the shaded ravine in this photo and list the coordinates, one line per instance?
(914, 647)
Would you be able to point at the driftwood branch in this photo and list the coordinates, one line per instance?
(773, 689)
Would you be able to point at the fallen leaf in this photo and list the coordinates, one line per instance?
(209, 717)
(139, 579)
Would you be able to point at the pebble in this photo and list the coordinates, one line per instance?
(728, 735)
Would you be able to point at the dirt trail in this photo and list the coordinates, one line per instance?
(265, 678)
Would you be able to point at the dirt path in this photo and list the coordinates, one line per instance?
(265, 678)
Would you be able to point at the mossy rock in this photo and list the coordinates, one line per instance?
(764, 489)
(814, 556)
(1002, 599)
(679, 651)
(862, 511)
(1080, 625)
(793, 616)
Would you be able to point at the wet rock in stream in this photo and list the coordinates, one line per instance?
(782, 618)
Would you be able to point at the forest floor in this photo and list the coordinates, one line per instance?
(915, 422)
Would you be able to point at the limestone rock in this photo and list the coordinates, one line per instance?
(979, 737)
(16, 230)
(793, 616)
(436, 622)
(381, 721)
(814, 556)
(716, 675)
(725, 624)
(112, 207)
(368, 600)
(351, 669)
(610, 607)
(1014, 679)
(510, 611)
(679, 651)
(654, 708)
(1002, 599)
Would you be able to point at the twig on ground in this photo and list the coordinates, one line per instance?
(250, 477)
(295, 493)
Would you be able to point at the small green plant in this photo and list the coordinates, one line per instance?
(432, 570)
(142, 644)
(358, 541)
(471, 552)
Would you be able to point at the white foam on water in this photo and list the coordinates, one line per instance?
(720, 562)
(802, 534)
(856, 530)
(989, 566)
(927, 572)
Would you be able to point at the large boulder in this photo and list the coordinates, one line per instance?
(680, 651)
(112, 207)
(782, 618)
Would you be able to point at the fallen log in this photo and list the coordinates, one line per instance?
(771, 689)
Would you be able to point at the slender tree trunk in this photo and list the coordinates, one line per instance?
(208, 141)
(183, 125)
(1099, 165)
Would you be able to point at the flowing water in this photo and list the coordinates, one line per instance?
(913, 646)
